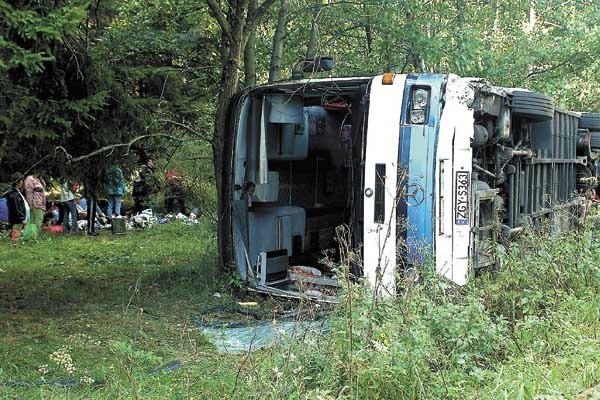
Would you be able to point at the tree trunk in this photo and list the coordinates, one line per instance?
(278, 42)
(368, 31)
(235, 25)
(311, 50)
(418, 63)
(369, 37)
(531, 33)
(496, 16)
(532, 18)
(250, 51)
(230, 75)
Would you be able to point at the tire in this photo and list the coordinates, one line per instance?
(584, 147)
(590, 121)
(595, 140)
(533, 106)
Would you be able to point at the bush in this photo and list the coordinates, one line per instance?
(436, 341)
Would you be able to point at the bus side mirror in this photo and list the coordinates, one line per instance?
(308, 65)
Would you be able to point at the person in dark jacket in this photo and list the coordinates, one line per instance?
(92, 185)
(18, 209)
(175, 192)
(145, 185)
(114, 188)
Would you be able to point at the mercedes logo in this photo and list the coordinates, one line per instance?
(415, 194)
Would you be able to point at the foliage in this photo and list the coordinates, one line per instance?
(524, 332)
(82, 76)
(547, 46)
(44, 97)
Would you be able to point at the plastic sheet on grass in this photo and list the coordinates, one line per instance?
(246, 337)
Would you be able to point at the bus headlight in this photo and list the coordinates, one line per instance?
(419, 105)
(420, 99)
(417, 117)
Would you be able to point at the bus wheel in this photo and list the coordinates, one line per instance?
(590, 121)
(531, 105)
(595, 141)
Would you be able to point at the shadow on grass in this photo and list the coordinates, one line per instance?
(56, 293)
(64, 274)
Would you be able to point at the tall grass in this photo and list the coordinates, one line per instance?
(527, 331)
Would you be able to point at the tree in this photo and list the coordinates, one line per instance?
(46, 97)
(278, 42)
(80, 82)
(236, 24)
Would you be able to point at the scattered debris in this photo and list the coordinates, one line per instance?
(247, 303)
(262, 334)
(168, 367)
(239, 337)
(146, 219)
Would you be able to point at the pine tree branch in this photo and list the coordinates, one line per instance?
(112, 147)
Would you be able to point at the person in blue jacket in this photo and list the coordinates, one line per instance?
(115, 189)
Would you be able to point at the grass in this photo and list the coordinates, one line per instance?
(122, 305)
(529, 331)
(116, 307)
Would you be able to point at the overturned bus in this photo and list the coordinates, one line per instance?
(420, 169)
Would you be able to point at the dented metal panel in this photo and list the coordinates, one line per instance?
(453, 176)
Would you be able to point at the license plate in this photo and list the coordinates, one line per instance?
(461, 198)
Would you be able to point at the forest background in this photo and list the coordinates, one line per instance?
(88, 83)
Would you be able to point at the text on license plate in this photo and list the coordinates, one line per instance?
(461, 198)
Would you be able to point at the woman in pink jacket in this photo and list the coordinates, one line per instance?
(35, 193)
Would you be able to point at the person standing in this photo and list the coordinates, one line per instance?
(143, 186)
(90, 195)
(115, 189)
(35, 193)
(18, 209)
(92, 186)
(175, 191)
(67, 197)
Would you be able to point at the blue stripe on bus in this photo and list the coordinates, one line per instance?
(416, 153)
